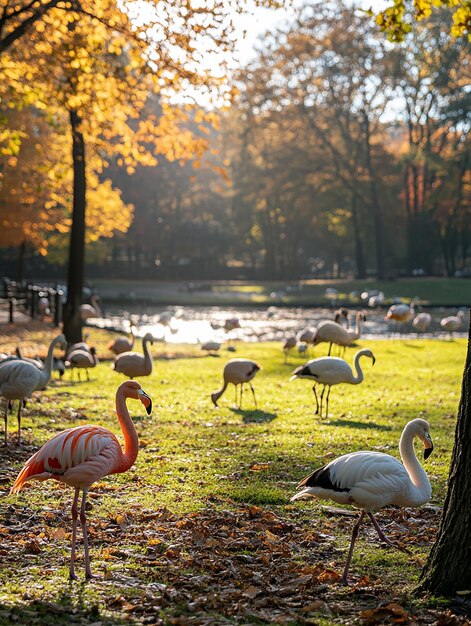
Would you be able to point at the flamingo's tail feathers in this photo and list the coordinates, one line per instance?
(34, 469)
(305, 493)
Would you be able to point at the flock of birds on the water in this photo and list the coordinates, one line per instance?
(82, 455)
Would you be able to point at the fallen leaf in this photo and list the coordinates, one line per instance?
(251, 592)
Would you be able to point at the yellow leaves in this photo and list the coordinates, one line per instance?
(396, 19)
(462, 21)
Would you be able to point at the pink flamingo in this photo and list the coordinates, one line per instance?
(80, 456)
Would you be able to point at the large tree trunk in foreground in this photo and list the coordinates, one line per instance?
(448, 568)
(75, 273)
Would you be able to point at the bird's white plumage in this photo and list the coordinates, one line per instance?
(329, 370)
(452, 322)
(134, 363)
(18, 379)
(373, 480)
(422, 321)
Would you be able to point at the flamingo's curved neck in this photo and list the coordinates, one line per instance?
(131, 440)
(219, 393)
(359, 372)
(355, 334)
(96, 306)
(145, 349)
(47, 370)
(417, 475)
(358, 324)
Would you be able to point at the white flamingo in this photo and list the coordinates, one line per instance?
(372, 480)
(421, 322)
(307, 335)
(79, 345)
(238, 372)
(401, 313)
(90, 310)
(81, 359)
(333, 332)
(288, 344)
(133, 364)
(452, 322)
(331, 370)
(18, 380)
(123, 344)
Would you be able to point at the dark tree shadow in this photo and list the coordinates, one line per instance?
(67, 607)
(360, 425)
(254, 416)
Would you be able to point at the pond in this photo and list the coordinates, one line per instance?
(195, 324)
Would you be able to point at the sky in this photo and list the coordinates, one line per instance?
(250, 28)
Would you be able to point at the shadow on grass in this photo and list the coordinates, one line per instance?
(68, 607)
(254, 416)
(360, 425)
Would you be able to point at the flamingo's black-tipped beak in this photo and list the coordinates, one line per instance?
(214, 399)
(146, 400)
(373, 359)
(428, 446)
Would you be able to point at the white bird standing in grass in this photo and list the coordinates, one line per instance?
(133, 364)
(307, 335)
(123, 344)
(333, 332)
(331, 370)
(81, 359)
(452, 322)
(80, 345)
(18, 380)
(90, 310)
(401, 313)
(372, 480)
(288, 344)
(421, 322)
(238, 372)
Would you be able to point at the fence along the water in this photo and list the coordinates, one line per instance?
(37, 301)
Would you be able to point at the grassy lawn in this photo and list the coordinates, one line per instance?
(201, 530)
(430, 291)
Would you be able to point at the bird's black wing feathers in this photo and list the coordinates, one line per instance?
(321, 478)
(303, 370)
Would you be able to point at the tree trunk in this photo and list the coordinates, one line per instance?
(359, 254)
(447, 569)
(377, 216)
(20, 268)
(75, 274)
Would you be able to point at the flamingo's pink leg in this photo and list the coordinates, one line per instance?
(356, 528)
(72, 574)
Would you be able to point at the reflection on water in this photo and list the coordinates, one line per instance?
(200, 324)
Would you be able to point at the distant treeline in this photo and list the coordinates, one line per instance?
(342, 155)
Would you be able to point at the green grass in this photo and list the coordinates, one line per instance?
(212, 481)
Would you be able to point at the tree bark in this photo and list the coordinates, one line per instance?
(20, 267)
(359, 253)
(75, 274)
(377, 215)
(447, 569)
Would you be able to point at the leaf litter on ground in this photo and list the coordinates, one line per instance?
(240, 563)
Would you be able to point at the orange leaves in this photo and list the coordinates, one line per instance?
(390, 613)
(259, 467)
